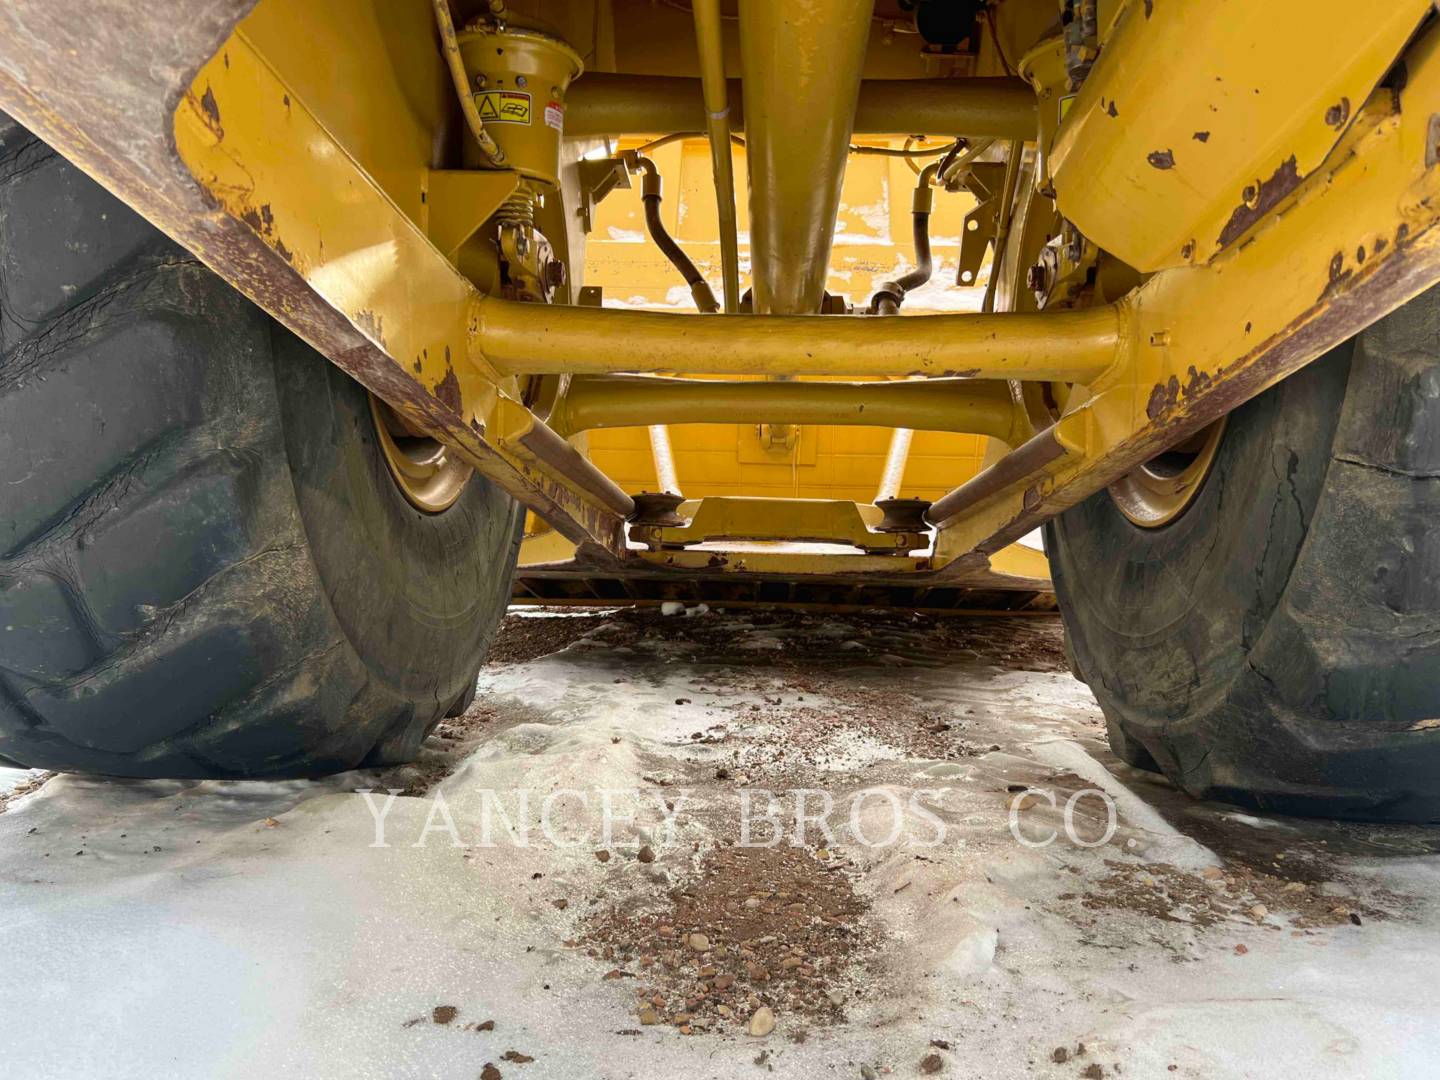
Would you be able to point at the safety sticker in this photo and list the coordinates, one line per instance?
(503, 106)
(555, 115)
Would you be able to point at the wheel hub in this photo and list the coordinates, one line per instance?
(429, 474)
(1158, 491)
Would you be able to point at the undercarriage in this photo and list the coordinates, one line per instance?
(1169, 225)
(329, 328)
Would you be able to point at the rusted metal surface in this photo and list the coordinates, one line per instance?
(146, 57)
(1257, 200)
(1191, 106)
(1017, 466)
(1359, 236)
(551, 451)
(1415, 268)
(1360, 290)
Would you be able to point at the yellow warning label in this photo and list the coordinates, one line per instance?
(503, 106)
(1065, 103)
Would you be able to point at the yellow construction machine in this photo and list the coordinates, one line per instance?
(320, 317)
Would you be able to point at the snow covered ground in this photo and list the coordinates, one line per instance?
(949, 922)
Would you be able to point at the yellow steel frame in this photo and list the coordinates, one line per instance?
(978, 406)
(354, 239)
(813, 521)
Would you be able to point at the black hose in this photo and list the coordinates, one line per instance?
(699, 287)
(923, 265)
(891, 294)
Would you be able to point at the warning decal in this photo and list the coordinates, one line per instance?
(503, 106)
(555, 115)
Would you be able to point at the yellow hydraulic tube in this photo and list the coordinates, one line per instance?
(794, 54)
(977, 406)
(717, 125)
(605, 104)
(534, 339)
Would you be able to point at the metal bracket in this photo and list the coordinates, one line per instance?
(822, 521)
(975, 238)
(598, 178)
(984, 180)
(459, 201)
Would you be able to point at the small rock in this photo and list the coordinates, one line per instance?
(489, 1072)
(931, 1063)
(1241, 950)
(751, 903)
(722, 773)
(762, 1022)
(646, 854)
(682, 701)
(443, 1014)
(1355, 918)
(1259, 911)
(602, 856)
(1092, 1071)
(1211, 873)
(485, 1025)
(699, 942)
(1060, 1055)
(517, 1057)
(649, 1016)
(867, 1073)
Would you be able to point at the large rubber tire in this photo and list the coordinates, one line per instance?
(1279, 643)
(206, 569)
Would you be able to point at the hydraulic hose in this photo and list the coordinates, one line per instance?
(891, 294)
(650, 196)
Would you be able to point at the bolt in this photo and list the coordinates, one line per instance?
(521, 81)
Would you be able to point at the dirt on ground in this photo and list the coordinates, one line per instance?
(775, 929)
(1040, 908)
(789, 640)
(749, 935)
